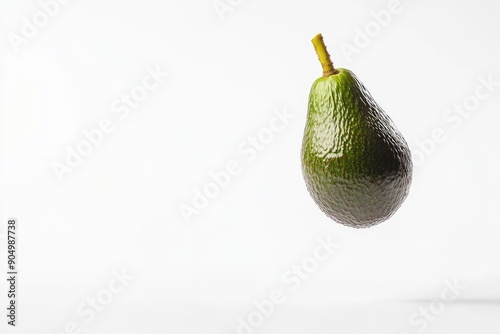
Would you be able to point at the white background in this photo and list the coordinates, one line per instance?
(119, 209)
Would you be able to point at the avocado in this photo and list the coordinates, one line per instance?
(356, 165)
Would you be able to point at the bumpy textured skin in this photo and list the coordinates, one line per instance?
(356, 164)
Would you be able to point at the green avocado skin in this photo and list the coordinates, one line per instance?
(356, 165)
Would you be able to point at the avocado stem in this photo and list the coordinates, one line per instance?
(323, 56)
